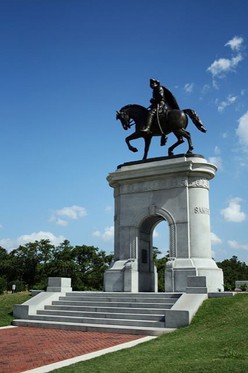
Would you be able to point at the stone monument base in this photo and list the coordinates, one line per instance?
(170, 189)
(123, 275)
(59, 284)
(179, 270)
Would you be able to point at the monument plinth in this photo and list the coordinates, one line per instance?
(171, 189)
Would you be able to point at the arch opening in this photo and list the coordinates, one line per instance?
(161, 251)
(153, 229)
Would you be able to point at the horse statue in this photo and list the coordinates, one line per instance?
(175, 121)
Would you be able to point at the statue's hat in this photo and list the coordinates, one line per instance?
(154, 81)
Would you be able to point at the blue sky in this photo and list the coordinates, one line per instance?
(67, 66)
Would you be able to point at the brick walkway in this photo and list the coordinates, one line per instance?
(26, 348)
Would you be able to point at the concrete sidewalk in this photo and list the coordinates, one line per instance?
(38, 350)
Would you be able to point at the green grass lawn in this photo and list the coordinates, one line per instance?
(216, 341)
(7, 302)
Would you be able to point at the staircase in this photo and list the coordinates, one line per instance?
(132, 313)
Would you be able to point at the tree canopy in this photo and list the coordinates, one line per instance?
(30, 265)
(233, 270)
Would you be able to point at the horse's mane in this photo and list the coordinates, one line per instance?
(134, 106)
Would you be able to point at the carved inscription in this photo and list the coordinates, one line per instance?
(202, 210)
(151, 185)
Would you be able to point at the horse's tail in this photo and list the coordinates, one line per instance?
(195, 119)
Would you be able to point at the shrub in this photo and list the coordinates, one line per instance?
(41, 285)
(243, 287)
(3, 285)
(20, 286)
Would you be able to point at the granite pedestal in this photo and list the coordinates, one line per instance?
(175, 190)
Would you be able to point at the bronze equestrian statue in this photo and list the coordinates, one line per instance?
(161, 118)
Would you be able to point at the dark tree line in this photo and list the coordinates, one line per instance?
(233, 270)
(30, 265)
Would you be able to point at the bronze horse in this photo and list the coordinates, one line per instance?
(175, 121)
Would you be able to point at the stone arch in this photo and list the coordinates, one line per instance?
(167, 216)
(146, 269)
(154, 216)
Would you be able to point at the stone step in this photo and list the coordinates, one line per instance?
(106, 321)
(97, 303)
(123, 295)
(143, 311)
(196, 290)
(102, 315)
(111, 314)
(119, 299)
(120, 329)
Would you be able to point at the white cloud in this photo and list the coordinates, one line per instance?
(216, 159)
(216, 150)
(108, 209)
(97, 234)
(236, 245)
(220, 67)
(221, 106)
(215, 240)
(7, 243)
(233, 212)
(235, 43)
(10, 244)
(155, 233)
(206, 88)
(242, 129)
(61, 216)
(106, 235)
(188, 88)
(59, 221)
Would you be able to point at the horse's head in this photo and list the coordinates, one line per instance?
(132, 114)
(124, 118)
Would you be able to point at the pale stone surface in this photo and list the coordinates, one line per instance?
(184, 310)
(30, 307)
(57, 286)
(240, 283)
(60, 284)
(175, 190)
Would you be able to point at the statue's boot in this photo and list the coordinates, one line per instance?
(148, 125)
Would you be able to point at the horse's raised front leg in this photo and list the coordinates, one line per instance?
(147, 140)
(134, 136)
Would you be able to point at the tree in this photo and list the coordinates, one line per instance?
(25, 261)
(3, 262)
(3, 285)
(160, 264)
(85, 265)
(62, 262)
(233, 270)
(92, 264)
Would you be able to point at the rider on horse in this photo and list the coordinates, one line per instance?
(162, 100)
